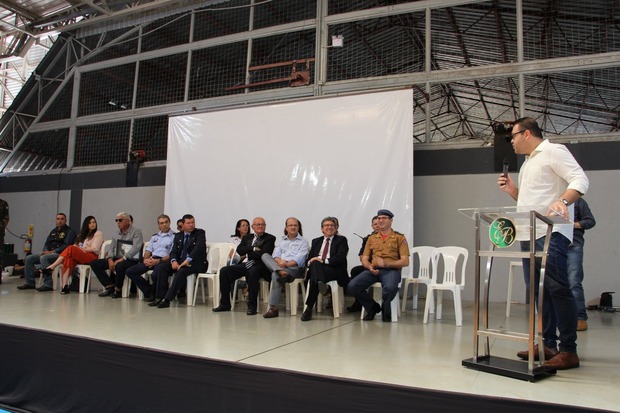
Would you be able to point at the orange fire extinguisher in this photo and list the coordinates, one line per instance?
(28, 240)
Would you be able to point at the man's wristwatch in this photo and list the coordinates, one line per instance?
(564, 201)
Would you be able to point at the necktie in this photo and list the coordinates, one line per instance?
(250, 263)
(185, 245)
(325, 249)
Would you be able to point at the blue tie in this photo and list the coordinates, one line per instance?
(185, 245)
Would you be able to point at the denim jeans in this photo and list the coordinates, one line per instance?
(44, 261)
(575, 278)
(389, 280)
(558, 311)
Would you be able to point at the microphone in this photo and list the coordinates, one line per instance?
(505, 167)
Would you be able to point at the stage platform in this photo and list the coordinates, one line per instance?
(81, 352)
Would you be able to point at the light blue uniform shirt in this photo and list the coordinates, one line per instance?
(160, 244)
(295, 249)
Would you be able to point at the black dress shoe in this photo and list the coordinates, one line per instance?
(116, 294)
(149, 297)
(251, 311)
(65, 290)
(163, 304)
(26, 287)
(44, 288)
(355, 307)
(220, 308)
(307, 315)
(107, 292)
(155, 302)
(376, 308)
(387, 318)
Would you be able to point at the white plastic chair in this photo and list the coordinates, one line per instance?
(127, 284)
(513, 264)
(84, 270)
(56, 278)
(217, 256)
(337, 299)
(146, 276)
(292, 294)
(264, 286)
(428, 262)
(291, 290)
(394, 305)
(450, 281)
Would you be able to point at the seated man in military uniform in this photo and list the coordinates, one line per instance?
(384, 256)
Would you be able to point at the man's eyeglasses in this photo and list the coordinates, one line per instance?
(119, 219)
(517, 133)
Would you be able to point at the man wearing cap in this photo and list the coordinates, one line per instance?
(384, 256)
(124, 253)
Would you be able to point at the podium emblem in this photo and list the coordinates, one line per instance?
(502, 232)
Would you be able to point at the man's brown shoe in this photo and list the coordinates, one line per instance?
(582, 325)
(549, 353)
(563, 361)
(271, 313)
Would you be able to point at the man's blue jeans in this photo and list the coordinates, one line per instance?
(575, 278)
(389, 279)
(558, 311)
(44, 261)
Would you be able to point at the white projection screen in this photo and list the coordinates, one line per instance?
(340, 156)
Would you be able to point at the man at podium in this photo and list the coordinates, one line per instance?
(549, 177)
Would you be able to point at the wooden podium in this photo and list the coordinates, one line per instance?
(503, 224)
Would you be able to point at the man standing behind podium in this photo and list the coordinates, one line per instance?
(188, 256)
(254, 246)
(549, 177)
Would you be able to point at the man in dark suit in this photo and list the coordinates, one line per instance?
(328, 262)
(357, 270)
(254, 246)
(188, 256)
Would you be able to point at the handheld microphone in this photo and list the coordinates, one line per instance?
(505, 167)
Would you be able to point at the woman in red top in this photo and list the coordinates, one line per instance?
(85, 251)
